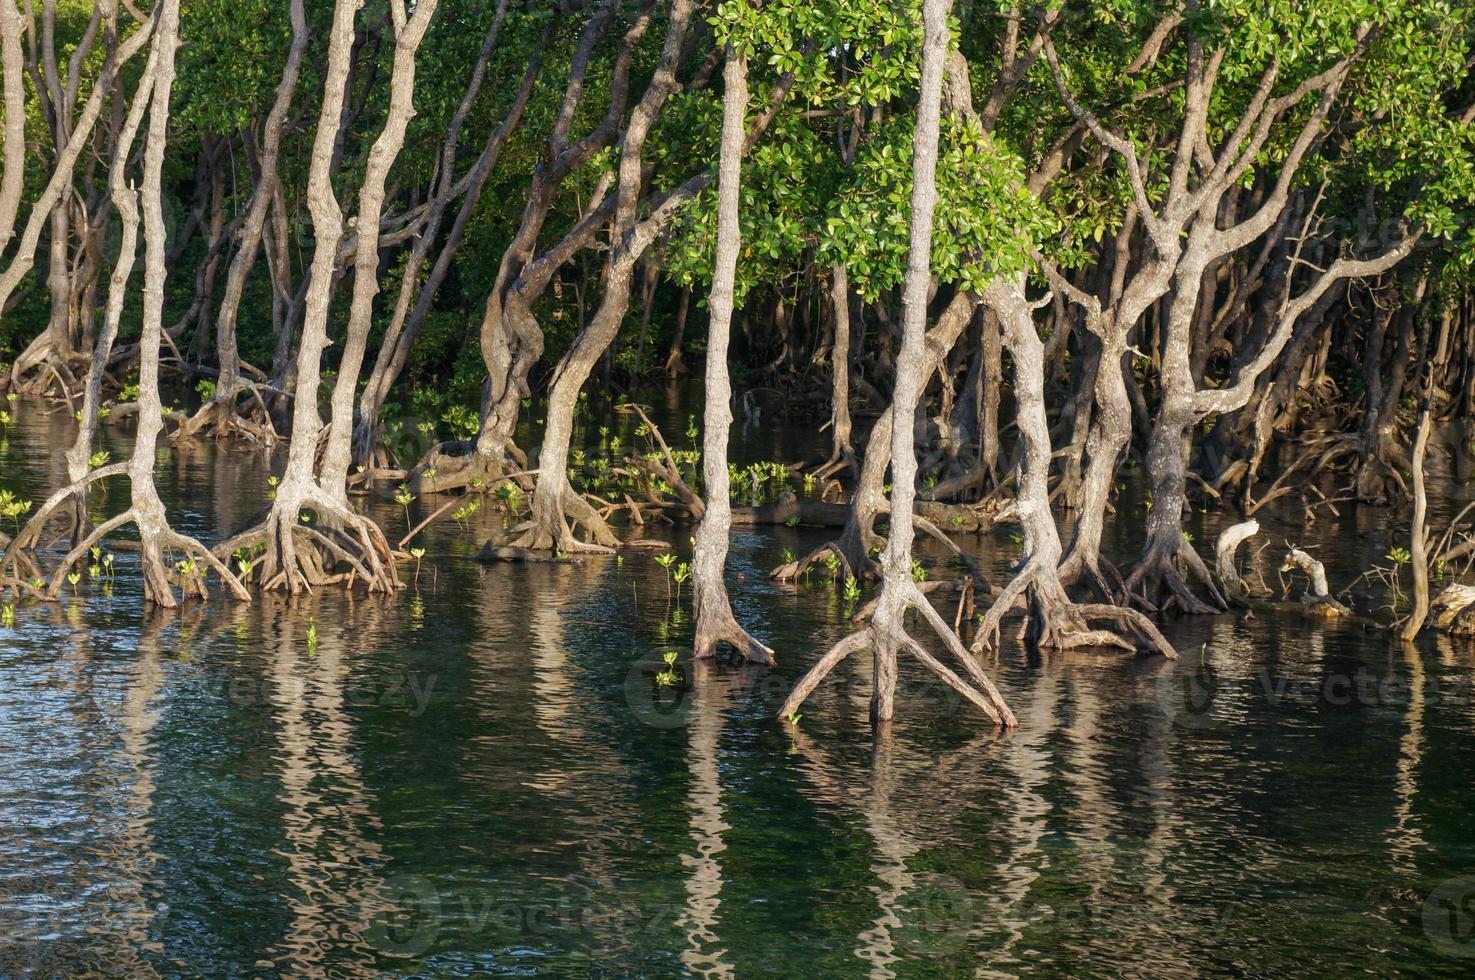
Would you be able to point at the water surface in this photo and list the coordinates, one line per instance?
(480, 777)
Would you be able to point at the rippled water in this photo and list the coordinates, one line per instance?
(480, 777)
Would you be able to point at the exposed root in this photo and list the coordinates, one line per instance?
(551, 528)
(29, 536)
(838, 462)
(450, 466)
(1317, 601)
(1453, 611)
(886, 635)
(1229, 541)
(1162, 578)
(157, 541)
(976, 480)
(1056, 623)
(1103, 578)
(49, 361)
(24, 575)
(853, 551)
(286, 553)
(220, 413)
(665, 467)
(717, 625)
(858, 541)
(1379, 480)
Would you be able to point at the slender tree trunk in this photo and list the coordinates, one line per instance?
(221, 409)
(13, 174)
(404, 324)
(158, 543)
(409, 32)
(674, 367)
(510, 338)
(886, 635)
(309, 531)
(47, 346)
(1055, 622)
(715, 622)
(843, 451)
(650, 277)
(859, 538)
(148, 509)
(125, 199)
(1107, 439)
(554, 500)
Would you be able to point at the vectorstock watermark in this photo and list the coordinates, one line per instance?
(662, 694)
(406, 691)
(1449, 917)
(1197, 696)
(411, 916)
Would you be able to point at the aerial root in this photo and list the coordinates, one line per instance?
(25, 573)
(298, 557)
(883, 635)
(1056, 623)
(30, 535)
(1161, 578)
(220, 413)
(794, 570)
(553, 532)
(441, 470)
(838, 461)
(156, 574)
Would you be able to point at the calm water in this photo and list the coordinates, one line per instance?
(480, 777)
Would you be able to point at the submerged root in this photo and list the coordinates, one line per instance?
(23, 575)
(886, 635)
(717, 625)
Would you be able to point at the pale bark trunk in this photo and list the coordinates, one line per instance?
(1418, 533)
(12, 177)
(867, 502)
(263, 196)
(886, 635)
(405, 322)
(410, 31)
(248, 238)
(125, 199)
(1055, 621)
(843, 451)
(304, 512)
(59, 183)
(554, 499)
(715, 622)
(148, 509)
(511, 340)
